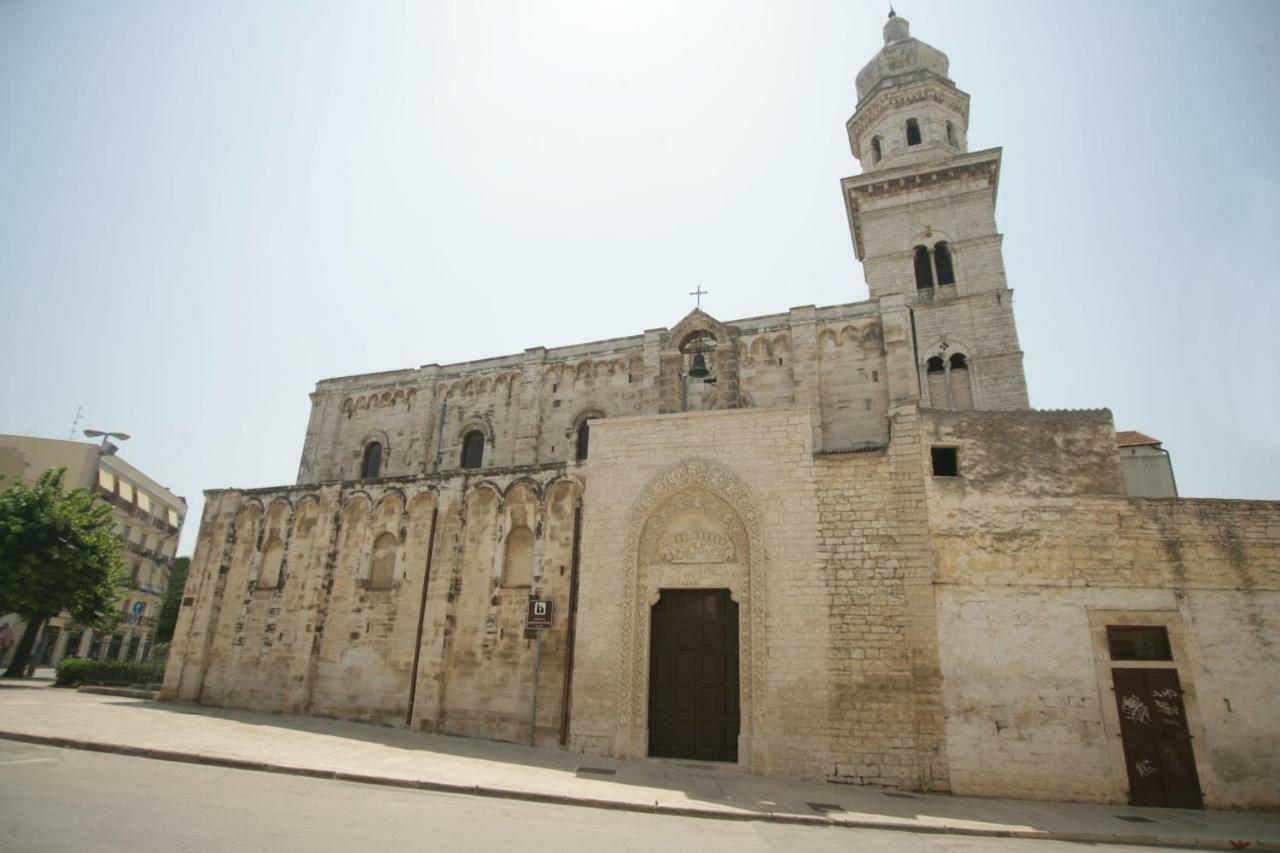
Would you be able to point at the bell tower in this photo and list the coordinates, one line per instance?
(922, 217)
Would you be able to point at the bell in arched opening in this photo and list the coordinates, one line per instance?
(699, 368)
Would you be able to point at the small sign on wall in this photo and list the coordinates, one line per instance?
(542, 612)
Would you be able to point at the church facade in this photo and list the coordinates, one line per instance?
(834, 543)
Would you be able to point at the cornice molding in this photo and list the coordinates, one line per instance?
(980, 165)
(934, 89)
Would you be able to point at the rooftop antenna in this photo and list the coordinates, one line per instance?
(75, 423)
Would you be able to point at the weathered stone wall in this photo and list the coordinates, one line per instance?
(335, 638)
(529, 407)
(832, 579)
(1033, 564)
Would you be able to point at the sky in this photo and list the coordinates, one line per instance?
(207, 207)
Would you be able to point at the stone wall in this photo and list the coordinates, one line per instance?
(338, 635)
(1033, 564)
(832, 579)
(529, 407)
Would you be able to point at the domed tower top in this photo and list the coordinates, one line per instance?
(909, 111)
(902, 59)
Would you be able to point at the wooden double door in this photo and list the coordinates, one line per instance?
(693, 676)
(1157, 742)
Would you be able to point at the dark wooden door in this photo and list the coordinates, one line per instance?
(693, 676)
(1157, 742)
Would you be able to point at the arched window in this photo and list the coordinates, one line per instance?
(372, 463)
(935, 365)
(942, 257)
(382, 563)
(924, 269)
(269, 570)
(958, 383)
(517, 562)
(473, 449)
(876, 151)
(951, 136)
(584, 434)
(913, 132)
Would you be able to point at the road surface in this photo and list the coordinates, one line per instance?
(65, 800)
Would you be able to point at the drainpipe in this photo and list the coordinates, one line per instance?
(422, 615)
(565, 693)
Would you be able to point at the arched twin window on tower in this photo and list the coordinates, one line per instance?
(926, 260)
(947, 380)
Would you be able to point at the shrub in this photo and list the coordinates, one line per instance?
(73, 671)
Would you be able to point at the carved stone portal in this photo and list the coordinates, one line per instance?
(693, 527)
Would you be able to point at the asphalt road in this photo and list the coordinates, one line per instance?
(64, 800)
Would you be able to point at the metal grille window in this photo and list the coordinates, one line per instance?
(1139, 642)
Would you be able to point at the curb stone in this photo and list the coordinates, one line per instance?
(232, 763)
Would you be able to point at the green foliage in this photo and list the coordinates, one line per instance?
(58, 551)
(168, 617)
(72, 671)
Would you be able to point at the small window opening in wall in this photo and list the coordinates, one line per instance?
(924, 268)
(554, 387)
(584, 437)
(951, 136)
(372, 464)
(946, 461)
(913, 132)
(1139, 642)
(779, 362)
(875, 376)
(958, 361)
(876, 151)
(942, 257)
(473, 449)
(935, 365)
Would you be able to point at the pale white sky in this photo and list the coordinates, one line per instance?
(209, 206)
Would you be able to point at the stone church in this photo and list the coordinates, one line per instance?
(833, 543)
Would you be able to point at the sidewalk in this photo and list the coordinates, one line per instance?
(377, 755)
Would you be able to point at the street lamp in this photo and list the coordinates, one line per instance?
(107, 448)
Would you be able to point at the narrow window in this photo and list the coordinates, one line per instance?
(473, 449)
(913, 132)
(269, 571)
(942, 257)
(951, 136)
(382, 564)
(924, 269)
(961, 390)
(372, 463)
(584, 435)
(1139, 643)
(945, 462)
(876, 151)
(935, 365)
(517, 563)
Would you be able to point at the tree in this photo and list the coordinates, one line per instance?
(58, 552)
(168, 619)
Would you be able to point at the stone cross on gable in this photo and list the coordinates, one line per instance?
(699, 293)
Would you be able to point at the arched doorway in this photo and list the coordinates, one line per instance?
(695, 546)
